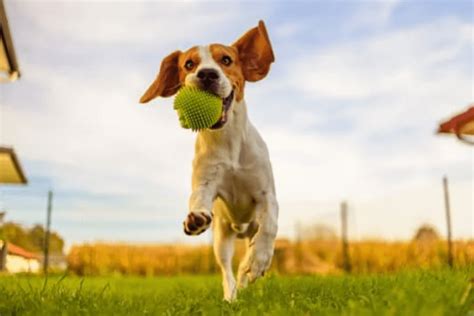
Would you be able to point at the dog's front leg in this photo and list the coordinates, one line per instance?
(200, 205)
(260, 252)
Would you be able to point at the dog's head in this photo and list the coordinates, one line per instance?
(217, 68)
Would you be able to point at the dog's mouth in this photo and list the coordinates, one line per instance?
(226, 104)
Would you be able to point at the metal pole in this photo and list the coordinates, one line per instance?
(448, 221)
(47, 232)
(345, 240)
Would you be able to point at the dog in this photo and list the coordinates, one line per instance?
(232, 179)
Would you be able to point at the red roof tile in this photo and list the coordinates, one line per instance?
(18, 251)
(459, 124)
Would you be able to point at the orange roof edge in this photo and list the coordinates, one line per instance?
(454, 124)
(18, 251)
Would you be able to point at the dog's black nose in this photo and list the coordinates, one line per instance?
(208, 75)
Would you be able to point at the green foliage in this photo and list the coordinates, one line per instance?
(31, 239)
(435, 292)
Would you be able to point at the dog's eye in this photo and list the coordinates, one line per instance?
(189, 65)
(226, 60)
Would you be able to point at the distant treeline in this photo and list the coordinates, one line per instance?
(31, 238)
(299, 257)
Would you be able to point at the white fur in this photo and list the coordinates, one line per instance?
(224, 84)
(233, 179)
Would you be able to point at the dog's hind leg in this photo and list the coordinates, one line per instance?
(242, 279)
(224, 239)
(259, 253)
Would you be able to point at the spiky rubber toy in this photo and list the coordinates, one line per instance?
(197, 109)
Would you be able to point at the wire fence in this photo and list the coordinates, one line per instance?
(329, 241)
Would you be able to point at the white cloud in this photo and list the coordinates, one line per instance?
(395, 88)
(86, 127)
(395, 215)
(97, 127)
(127, 23)
(76, 120)
(375, 15)
(410, 62)
(288, 29)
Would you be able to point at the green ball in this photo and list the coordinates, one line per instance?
(197, 109)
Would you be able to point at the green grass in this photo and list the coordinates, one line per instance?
(440, 292)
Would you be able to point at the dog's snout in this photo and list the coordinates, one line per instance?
(208, 75)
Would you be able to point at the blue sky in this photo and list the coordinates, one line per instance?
(348, 111)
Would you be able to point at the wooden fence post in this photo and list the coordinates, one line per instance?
(345, 240)
(3, 255)
(47, 232)
(448, 221)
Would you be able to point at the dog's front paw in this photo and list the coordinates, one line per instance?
(196, 223)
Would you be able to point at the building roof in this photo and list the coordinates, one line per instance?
(18, 251)
(461, 125)
(12, 172)
(8, 61)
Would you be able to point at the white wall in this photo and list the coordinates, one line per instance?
(16, 264)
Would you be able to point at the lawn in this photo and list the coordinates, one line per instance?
(440, 292)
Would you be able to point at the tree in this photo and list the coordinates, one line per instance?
(15, 233)
(426, 233)
(36, 236)
(31, 239)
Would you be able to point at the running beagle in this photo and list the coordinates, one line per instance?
(232, 180)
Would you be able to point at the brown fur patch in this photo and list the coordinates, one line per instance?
(255, 53)
(167, 81)
(191, 54)
(232, 71)
(251, 57)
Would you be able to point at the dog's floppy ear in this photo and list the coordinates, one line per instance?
(167, 82)
(255, 53)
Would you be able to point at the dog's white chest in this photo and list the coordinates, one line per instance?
(236, 191)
